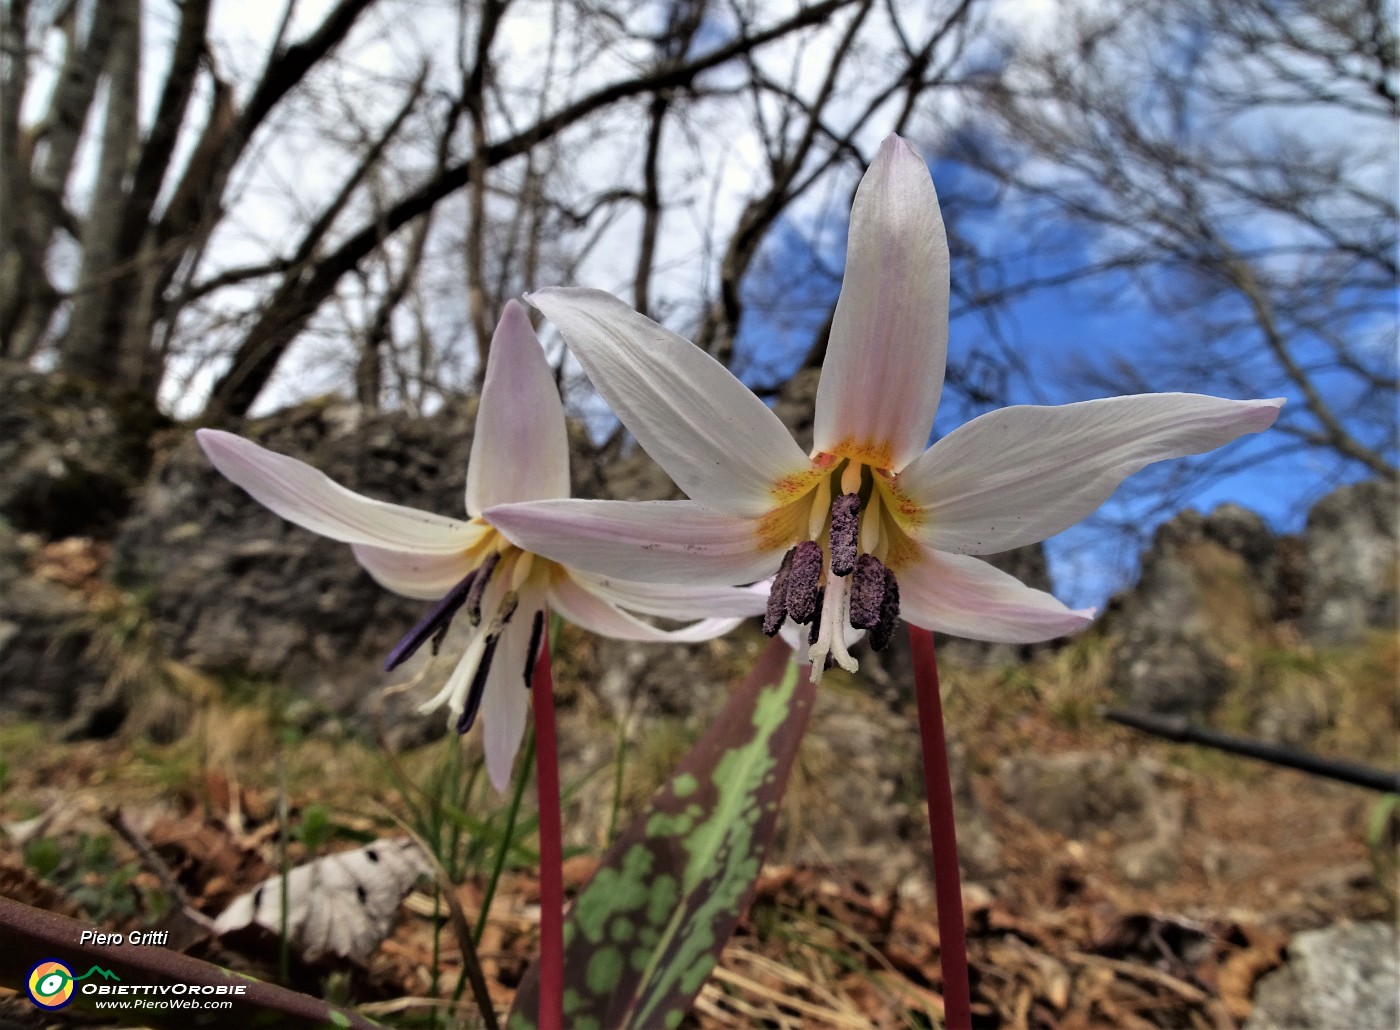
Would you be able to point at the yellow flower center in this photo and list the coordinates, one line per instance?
(845, 527)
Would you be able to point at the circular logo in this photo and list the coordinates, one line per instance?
(50, 984)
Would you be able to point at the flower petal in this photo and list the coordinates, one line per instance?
(574, 600)
(507, 698)
(718, 441)
(521, 448)
(301, 494)
(649, 541)
(967, 597)
(412, 573)
(672, 601)
(883, 372)
(1020, 474)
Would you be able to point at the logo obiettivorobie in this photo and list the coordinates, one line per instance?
(50, 983)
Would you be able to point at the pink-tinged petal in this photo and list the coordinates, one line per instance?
(521, 449)
(883, 372)
(412, 573)
(1020, 474)
(573, 599)
(675, 601)
(507, 699)
(647, 541)
(967, 597)
(718, 441)
(301, 494)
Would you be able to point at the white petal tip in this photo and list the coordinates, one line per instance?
(895, 143)
(502, 786)
(211, 440)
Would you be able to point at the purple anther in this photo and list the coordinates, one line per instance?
(889, 614)
(867, 592)
(816, 629)
(845, 532)
(776, 614)
(433, 625)
(478, 589)
(478, 687)
(804, 578)
(532, 652)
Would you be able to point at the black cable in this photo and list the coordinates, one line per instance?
(1177, 727)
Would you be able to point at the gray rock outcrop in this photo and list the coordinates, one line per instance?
(1208, 584)
(1345, 977)
(45, 639)
(1351, 562)
(71, 457)
(1081, 795)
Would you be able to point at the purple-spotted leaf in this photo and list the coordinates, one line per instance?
(646, 930)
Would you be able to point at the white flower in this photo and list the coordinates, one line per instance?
(870, 524)
(519, 453)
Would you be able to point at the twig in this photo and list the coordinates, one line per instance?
(1147, 974)
(113, 817)
(460, 929)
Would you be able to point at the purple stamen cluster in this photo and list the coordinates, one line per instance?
(776, 613)
(845, 533)
(804, 580)
(867, 591)
(873, 600)
(889, 614)
(435, 624)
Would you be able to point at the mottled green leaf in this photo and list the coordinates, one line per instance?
(646, 930)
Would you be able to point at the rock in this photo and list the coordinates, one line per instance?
(1157, 858)
(71, 455)
(46, 664)
(1345, 976)
(649, 681)
(1083, 794)
(979, 851)
(1350, 563)
(853, 794)
(1079, 793)
(1206, 596)
(75, 651)
(856, 799)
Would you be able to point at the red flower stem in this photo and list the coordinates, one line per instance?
(551, 846)
(952, 935)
